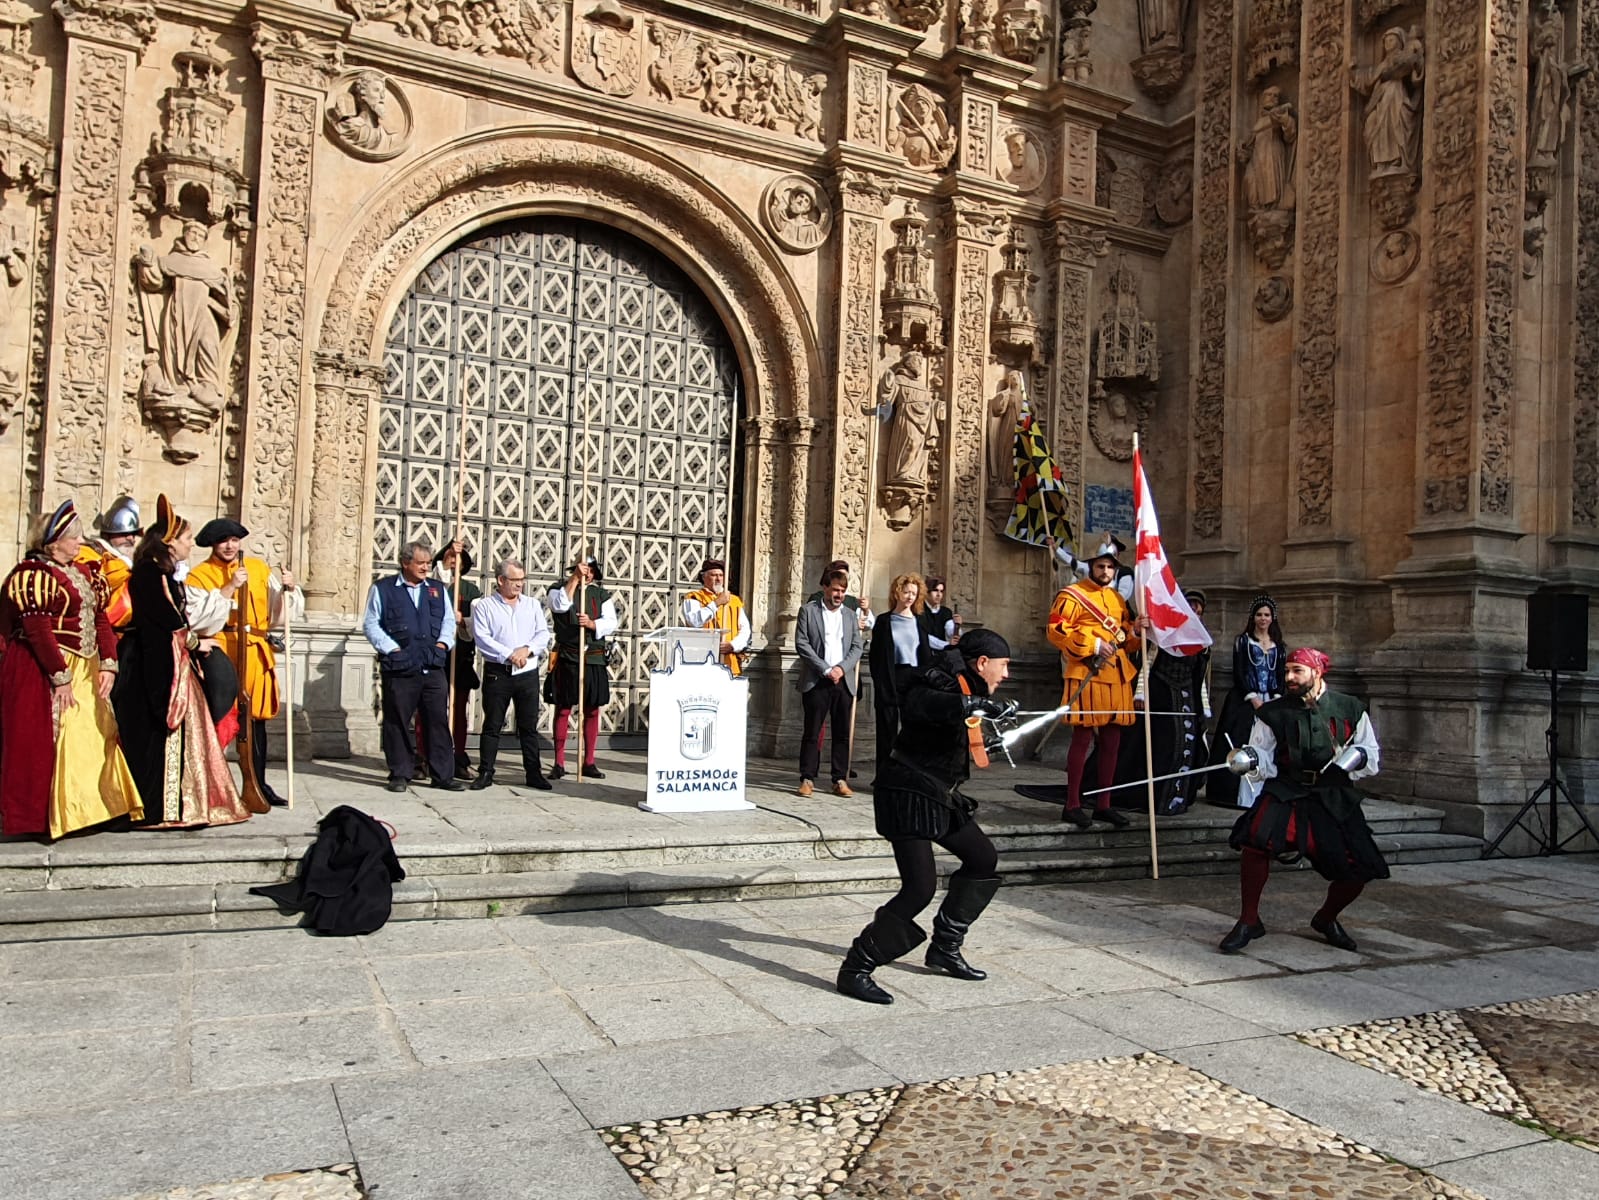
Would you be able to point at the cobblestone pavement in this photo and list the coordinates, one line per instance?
(1112, 1052)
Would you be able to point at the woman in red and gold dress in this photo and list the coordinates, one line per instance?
(60, 766)
(167, 733)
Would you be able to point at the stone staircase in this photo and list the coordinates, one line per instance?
(489, 854)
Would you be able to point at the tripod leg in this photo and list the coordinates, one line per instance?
(1527, 806)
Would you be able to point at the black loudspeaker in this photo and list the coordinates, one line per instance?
(1557, 632)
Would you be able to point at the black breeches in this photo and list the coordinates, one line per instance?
(918, 876)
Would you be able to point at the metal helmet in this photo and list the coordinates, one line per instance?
(121, 518)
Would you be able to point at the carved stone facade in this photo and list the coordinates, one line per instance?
(1351, 307)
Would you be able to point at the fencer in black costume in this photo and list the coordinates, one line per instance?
(918, 802)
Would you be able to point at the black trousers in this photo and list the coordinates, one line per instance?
(258, 754)
(887, 730)
(826, 703)
(918, 874)
(404, 696)
(501, 689)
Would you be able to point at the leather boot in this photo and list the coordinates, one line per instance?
(963, 904)
(884, 940)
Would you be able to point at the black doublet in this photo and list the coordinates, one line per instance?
(918, 791)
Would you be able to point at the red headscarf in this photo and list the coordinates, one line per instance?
(1314, 659)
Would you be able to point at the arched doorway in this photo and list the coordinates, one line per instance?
(571, 346)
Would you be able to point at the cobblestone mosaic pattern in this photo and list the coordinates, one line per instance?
(332, 1183)
(1124, 1127)
(1533, 1060)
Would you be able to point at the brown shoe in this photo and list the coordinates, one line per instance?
(842, 789)
(806, 787)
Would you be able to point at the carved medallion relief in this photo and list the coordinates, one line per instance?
(370, 117)
(797, 213)
(1022, 162)
(919, 130)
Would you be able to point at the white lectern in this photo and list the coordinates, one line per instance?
(698, 720)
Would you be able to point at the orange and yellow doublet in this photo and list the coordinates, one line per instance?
(258, 678)
(116, 573)
(1088, 619)
(725, 619)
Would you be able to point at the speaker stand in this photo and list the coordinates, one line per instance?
(1547, 836)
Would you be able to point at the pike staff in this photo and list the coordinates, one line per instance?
(582, 596)
(288, 691)
(455, 574)
(866, 557)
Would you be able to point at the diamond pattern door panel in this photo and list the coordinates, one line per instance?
(572, 347)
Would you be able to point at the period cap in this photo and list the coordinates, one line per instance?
(219, 529)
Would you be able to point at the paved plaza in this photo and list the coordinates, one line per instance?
(698, 1050)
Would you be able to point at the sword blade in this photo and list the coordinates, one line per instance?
(1156, 779)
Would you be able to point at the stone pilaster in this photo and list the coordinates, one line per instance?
(1078, 244)
(105, 40)
(346, 403)
(801, 432)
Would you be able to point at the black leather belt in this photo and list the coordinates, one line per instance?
(1308, 778)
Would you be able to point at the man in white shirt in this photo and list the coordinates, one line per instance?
(513, 637)
(829, 643)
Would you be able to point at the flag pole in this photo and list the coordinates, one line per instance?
(582, 594)
(288, 688)
(1149, 661)
(455, 573)
(864, 596)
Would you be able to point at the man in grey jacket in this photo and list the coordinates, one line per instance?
(829, 643)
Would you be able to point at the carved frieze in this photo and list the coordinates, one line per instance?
(1015, 325)
(27, 156)
(1075, 29)
(911, 316)
(1267, 155)
(369, 117)
(1502, 202)
(294, 56)
(797, 213)
(190, 171)
(968, 404)
(1077, 247)
(1273, 39)
(979, 129)
(530, 30)
(727, 81)
(346, 393)
(919, 130)
(866, 87)
(1585, 398)
(128, 23)
(1212, 251)
(1023, 163)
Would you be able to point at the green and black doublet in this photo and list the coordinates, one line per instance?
(563, 680)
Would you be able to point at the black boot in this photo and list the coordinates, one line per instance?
(963, 904)
(884, 940)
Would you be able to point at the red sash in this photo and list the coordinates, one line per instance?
(1117, 633)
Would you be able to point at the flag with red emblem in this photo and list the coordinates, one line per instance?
(1172, 623)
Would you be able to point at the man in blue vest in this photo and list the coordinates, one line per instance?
(411, 624)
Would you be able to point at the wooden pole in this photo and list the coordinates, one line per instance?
(288, 689)
(866, 557)
(455, 573)
(254, 801)
(732, 463)
(1143, 687)
(582, 593)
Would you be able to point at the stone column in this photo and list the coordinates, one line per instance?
(1579, 525)
(105, 40)
(295, 74)
(1077, 245)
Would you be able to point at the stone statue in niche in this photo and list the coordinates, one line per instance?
(1022, 165)
(1005, 407)
(920, 131)
(1159, 71)
(1160, 24)
(186, 301)
(905, 396)
(1268, 159)
(1074, 30)
(14, 271)
(1392, 126)
(796, 213)
(1552, 77)
(369, 118)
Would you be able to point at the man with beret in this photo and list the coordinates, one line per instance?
(1305, 752)
(257, 598)
(1095, 632)
(712, 606)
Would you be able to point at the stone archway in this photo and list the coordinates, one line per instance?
(503, 174)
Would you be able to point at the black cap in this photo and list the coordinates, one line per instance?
(219, 529)
(982, 643)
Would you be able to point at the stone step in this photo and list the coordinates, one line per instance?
(169, 908)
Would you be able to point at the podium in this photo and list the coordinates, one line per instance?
(698, 724)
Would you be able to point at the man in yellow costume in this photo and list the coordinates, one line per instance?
(1092, 627)
(712, 606)
(257, 597)
(116, 532)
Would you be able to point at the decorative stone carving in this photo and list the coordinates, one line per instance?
(13, 274)
(1214, 222)
(1021, 30)
(1075, 28)
(1392, 126)
(977, 25)
(1122, 186)
(530, 30)
(1024, 163)
(868, 8)
(1174, 192)
(1585, 396)
(905, 396)
(1394, 256)
(293, 56)
(919, 130)
(346, 391)
(1160, 70)
(1369, 12)
(129, 23)
(1115, 414)
(184, 333)
(188, 172)
(910, 305)
(796, 212)
(1014, 327)
(1274, 298)
(27, 156)
(1551, 94)
(866, 104)
(1124, 348)
(963, 518)
(370, 117)
(1273, 39)
(856, 354)
(978, 125)
(1268, 159)
(606, 50)
(918, 14)
(864, 191)
(734, 83)
(1005, 407)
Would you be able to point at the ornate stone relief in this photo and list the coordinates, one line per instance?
(1160, 70)
(1267, 155)
(1005, 407)
(27, 156)
(1123, 186)
(189, 171)
(855, 378)
(968, 414)
(865, 191)
(731, 82)
(919, 129)
(1014, 328)
(1274, 298)
(978, 125)
(1391, 129)
(1075, 28)
(1125, 350)
(1369, 12)
(124, 22)
(1273, 39)
(1024, 163)
(1551, 94)
(918, 14)
(1394, 256)
(1021, 30)
(1174, 192)
(866, 104)
(1585, 399)
(606, 48)
(293, 56)
(13, 275)
(370, 117)
(797, 213)
(530, 30)
(1115, 414)
(911, 315)
(914, 417)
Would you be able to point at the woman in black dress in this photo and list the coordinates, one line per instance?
(918, 802)
(1259, 662)
(898, 640)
